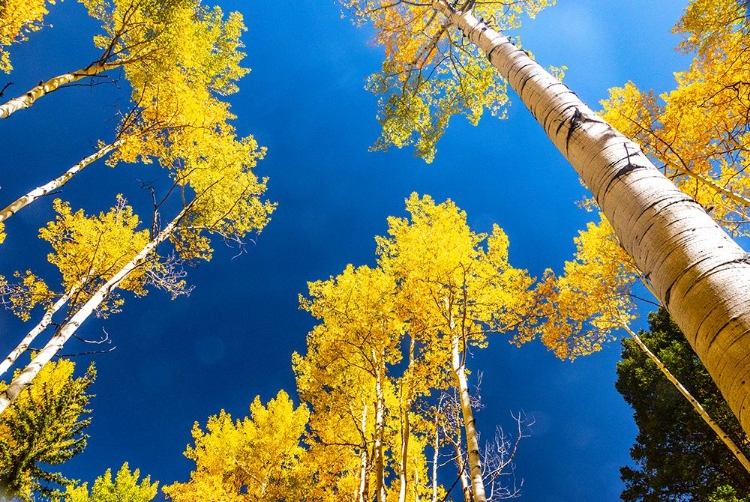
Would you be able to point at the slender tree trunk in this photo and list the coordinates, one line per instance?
(23, 346)
(56, 183)
(694, 402)
(436, 455)
(463, 472)
(379, 429)
(26, 100)
(67, 330)
(472, 437)
(697, 271)
(406, 424)
(363, 488)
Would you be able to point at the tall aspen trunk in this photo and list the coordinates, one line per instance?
(23, 345)
(67, 330)
(363, 461)
(56, 183)
(463, 472)
(472, 437)
(27, 100)
(436, 457)
(406, 426)
(697, 271)
(379, 429)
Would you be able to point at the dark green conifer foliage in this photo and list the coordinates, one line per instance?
(677, 456)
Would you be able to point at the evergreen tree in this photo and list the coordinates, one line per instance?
(677, 456)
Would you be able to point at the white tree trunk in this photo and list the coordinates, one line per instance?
(363, 463)
(56, 183)
(67, 330)
(472, 436)
(26, 100)
(693, 402)
(23, 345)
(697, 271)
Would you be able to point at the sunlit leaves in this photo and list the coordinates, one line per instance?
(578, 311)
(700, 131)
(18, 18)
(124, 488)
(256, 458)
(430, 72)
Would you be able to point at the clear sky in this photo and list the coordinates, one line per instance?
(177, 362)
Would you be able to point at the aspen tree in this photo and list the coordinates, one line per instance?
(697, 271)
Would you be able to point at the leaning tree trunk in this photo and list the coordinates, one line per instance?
(69, 328)
(697, 271)
(27, 100)
(722, 435)
(56, 183)
(472, 436)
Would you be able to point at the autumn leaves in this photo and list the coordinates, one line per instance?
(180, 58)
(389, 339)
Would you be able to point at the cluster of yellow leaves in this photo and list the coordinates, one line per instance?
(253, 459)
(124, 488)
(43, 428)
(90, 249)
(17, 19)
(700, 131)
(430, 73)
(578, 311)
(87, 251)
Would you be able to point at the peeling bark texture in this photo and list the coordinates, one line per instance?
(697, 271)
(56, 343)
(27, 100)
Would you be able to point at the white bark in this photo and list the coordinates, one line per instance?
(67, 330)
(472, 436)
(698, 272)
(362, 496)
(693, 402)
(56, 183)
(23, 345)
(25, 101)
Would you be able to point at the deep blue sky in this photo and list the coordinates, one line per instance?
(180, 361)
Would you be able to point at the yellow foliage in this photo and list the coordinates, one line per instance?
(256, 458)
(88, 250)
(430, 73)
(577, 312)
(124, 488)
(699, 132)
(43, 428)
(18, 18)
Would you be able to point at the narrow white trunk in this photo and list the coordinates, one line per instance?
(56, 183)
(435, 458)
(693, 402)
(67, 330)
(379, 431)
(362, 496)
(23, 346)
(25, 101)
(698, 272)
(472, 437)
